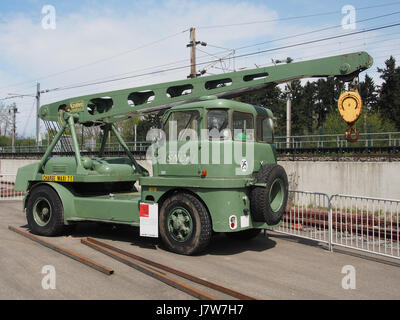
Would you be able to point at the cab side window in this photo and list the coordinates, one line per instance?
(217, 124)
(243, 126)
(265, 130)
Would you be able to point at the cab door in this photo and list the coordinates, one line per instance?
(182, 132)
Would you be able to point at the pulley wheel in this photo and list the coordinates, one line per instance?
(350, 106)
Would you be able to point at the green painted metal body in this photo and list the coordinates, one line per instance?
(102, 189)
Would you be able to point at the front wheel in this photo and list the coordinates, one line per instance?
(185, 225)
(45, 212)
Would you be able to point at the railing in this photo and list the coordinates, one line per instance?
(140, 146)
(383, 139)
(7, 191)
(388, 139)
(368, 224)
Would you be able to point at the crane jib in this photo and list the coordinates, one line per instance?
(112, 106)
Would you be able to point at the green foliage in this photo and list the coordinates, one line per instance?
(127, 128)
(369, 94)
(389, 92)
(334, 124)
(369, 122)
(314, 104)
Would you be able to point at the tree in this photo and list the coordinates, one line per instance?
(374, 122)
(369, 94)
(303, 105)
(150, 121)
(5, 120)
(327, 95)
(389, 92)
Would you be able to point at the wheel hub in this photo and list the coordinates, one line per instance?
(180, 224)
(276, 195)
(42, 212)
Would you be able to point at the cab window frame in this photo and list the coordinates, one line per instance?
(228, 125)
(253, 121)
(259, 135)
(172, 113)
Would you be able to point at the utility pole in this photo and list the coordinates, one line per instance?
(288, 114)
(14, 130)
(193, 53)
(192, 45)
(37, 115)
(37, 96)
(289, 109)
(288, 103)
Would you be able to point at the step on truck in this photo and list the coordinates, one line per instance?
(214, 164)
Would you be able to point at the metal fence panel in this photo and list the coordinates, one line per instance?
(307, 216)
(362, 223)
(366, 224)
(7, 191)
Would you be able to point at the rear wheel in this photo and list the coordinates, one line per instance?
(185, 225)
(45, 212)
(244, 235)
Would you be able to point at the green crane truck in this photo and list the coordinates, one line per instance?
(214, 166)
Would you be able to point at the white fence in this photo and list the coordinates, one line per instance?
(7, 191)
(388, 139)
(367, 224)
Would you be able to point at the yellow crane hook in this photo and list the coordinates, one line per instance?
(350, 108)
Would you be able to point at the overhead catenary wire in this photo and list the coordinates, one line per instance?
(295, 17)
(316, 31)
(202, 27)
(245, 47)
(236, 57)
(240, 56)
(382, 39)
(100, 60)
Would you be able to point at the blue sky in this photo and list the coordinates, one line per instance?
(99, 40)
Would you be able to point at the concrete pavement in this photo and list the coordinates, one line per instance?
(273, 267)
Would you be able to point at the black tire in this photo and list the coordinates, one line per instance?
(45, 212)
(244, 235)
(268, 204)
(176, 237)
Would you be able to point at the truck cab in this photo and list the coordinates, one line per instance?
(222, 137)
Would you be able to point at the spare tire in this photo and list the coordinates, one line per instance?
(268, 203)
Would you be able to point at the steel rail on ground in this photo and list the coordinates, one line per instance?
(118, 254)
(64, 251)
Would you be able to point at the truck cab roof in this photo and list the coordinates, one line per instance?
(212, 102)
